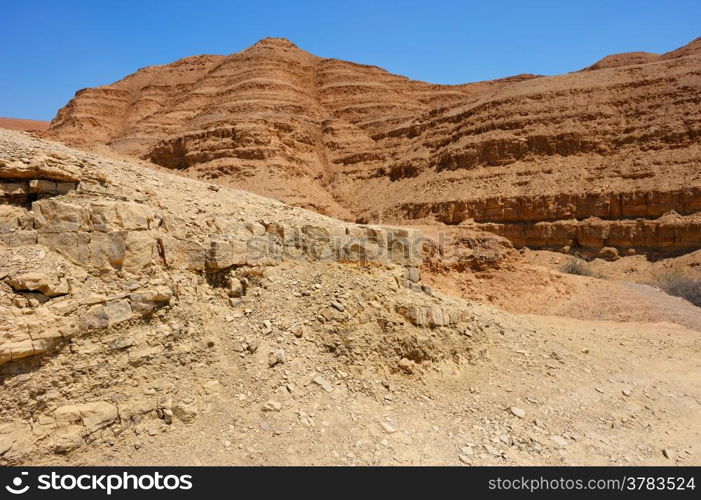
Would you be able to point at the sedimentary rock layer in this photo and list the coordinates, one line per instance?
(617, 141)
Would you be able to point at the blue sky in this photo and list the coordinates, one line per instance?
(50, 49)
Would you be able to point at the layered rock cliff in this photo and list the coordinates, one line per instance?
(604, 157)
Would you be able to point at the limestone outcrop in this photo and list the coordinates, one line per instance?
(113, 294)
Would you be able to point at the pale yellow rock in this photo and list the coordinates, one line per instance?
(73, 246)
(67, 439)
(118, 311)
(95, 318)
(67, 415)
(97, 415)
(51, 286)
(141, 250)
(42, 167)
(56, 216)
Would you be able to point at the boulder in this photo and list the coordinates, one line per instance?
(50, 286)
(225, 254)
(108, 249)
(94, 319)
(134, 216)
(67, 416)
(185, 411)
(182, 254)
(73, 246)
(141, 250)
(118, 311)
(143, 302)
(67, 440)
(54, 216)
(97, 415)
(43, 167)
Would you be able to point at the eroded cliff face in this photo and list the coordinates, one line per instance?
(605, 157)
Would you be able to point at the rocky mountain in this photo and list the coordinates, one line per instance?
(602, 161)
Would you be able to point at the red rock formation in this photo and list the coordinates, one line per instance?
(615, 146)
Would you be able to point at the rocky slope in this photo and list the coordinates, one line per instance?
(605, 157)
(104, 281)
(148, 318)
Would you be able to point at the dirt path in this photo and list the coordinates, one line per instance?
(625, 301)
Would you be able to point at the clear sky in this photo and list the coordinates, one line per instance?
(49, 49)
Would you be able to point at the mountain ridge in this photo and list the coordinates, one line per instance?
(357, 142)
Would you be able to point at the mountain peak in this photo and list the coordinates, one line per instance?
(272, 42)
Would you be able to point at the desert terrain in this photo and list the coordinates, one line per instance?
(275, 258)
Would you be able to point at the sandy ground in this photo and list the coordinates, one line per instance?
(545, 389)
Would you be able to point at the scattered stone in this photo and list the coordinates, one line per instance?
(492, 450)
(407, 366)
(558, 440)
(668, 454)
(272, 406)
(185, 411)
(626, 392)
(338, 306)
(276, 358)
(167, 415)
(388, 428)
(413, 274)
(323, 383)
(519, 412)
(40, 282)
